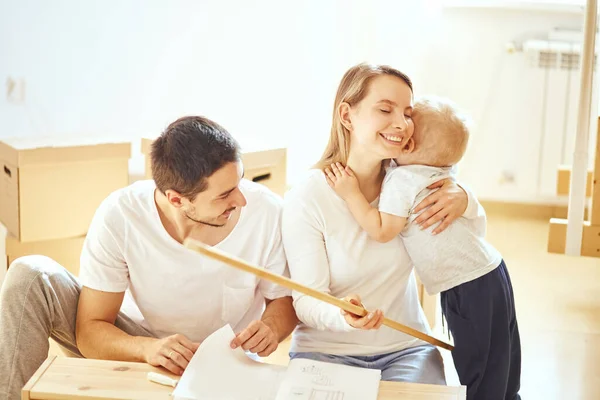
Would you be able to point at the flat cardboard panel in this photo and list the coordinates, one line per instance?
(9, 196)
(563, 182)
(268, 168)
(8, 154)
(590, 244)
(60, 200)
(147, 167)
(52, 150)
(66, 252)
(146, 146)
(43, 193)
(557, 234)
(63, 141)
(74, 154)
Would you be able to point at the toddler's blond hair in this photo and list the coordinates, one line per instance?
(441, 132)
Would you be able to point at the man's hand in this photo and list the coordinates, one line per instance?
(342, 180)
(173, 352)
(258, 338)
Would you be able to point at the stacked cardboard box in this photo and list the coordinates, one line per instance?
(267, 166)
(50, 189)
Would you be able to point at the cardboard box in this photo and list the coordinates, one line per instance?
(267, 167)
(66, 252)
(262, 165)
(557, 236)
(563, 181)
(146, 148)
(51, 187)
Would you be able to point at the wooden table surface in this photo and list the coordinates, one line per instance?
(76, 378)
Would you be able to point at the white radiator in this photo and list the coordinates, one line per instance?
(558, 60)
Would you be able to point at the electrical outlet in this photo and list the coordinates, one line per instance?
(15, 90)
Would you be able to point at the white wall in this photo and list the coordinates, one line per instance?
(516, 134)
(267, 70)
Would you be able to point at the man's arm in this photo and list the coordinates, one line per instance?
(98, 337)
(281, 317)
(277, 322)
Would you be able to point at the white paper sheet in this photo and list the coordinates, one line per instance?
(217, 372)
(315, 380)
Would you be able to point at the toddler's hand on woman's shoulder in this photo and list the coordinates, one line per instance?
(342, 180)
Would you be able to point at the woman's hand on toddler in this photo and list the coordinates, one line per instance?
(342, 180)
(446, 204)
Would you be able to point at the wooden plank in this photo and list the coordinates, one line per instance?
(26, 391)
(412, 391)
(262, 273)
(563, 181)
(590, 243)
(595, 220)
(78, 379)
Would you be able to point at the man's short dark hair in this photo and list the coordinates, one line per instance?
(189, 151)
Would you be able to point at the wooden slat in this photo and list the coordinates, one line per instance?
(262, 273)
(26, 391)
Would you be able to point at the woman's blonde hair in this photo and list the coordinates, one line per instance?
(352, 89)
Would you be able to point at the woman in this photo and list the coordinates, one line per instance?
(327, 250)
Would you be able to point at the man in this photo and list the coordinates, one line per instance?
(141, 295)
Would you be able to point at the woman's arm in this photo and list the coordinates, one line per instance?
(448, 203)
(308, 264)
(473, 206)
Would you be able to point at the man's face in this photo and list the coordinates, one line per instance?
(222, 196)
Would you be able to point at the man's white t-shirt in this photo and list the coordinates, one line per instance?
(457, 255)
(171, 289)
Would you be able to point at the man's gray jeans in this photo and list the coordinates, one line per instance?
(38, 300)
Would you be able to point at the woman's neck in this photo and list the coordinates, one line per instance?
(369, 173)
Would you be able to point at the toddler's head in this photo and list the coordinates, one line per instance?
(441, 133)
